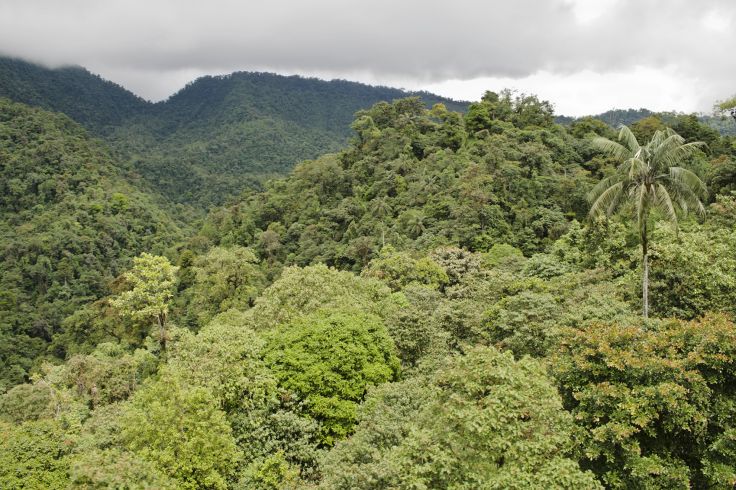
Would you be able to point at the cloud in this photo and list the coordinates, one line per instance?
(151, 46)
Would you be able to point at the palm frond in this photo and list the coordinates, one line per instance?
(636, 167)
(689, 149)
(601, 186)
(628, 139)
(664, 203)
(612, 148)
(684, 197)
(641, 204)
(606, 202)
(657, 138)
(664, 151)
(689, 179)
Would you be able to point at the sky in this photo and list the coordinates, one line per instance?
(584, 56)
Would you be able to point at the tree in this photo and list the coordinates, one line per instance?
(400, 269)
(153, 279)
(729, 105)
(115, 468)
(381, 208)
(34, 455)
(696, 275)
(224, 357)
(329, 359)
(302, 291)
(650, 178)
(482, 420)
(524, 323)
(657, 405)
(181, 430)
(225, 278)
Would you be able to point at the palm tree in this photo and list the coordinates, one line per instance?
(382, 208)
(414, 222)
(650, 177)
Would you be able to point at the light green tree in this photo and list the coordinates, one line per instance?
(115, 468)
(329, 359)
(650, 178)
(34, 455)
(152, 279)
(182, 431)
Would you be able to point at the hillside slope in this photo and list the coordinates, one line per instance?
(95, 103)
(69, 224)
(616, 117)
(215, 137)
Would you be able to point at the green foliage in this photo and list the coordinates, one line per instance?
(656, 402)
(524, 323)
(384, 421)
(721, 177)
(26, 402)
(225, 357)
(546, 266)
(90, 100)
(301, 291)
(64, 238)
(416, 332)
(34, 455)
(694, 272)
(225, 278)
(117, 469)
(500, 253)
(482, 420)
(108, 375)
(151, 288)
(181, 430)
(274, 473)
(652, 178)
(218, 134)
(402, 183)
(329, 360)
(400, 269)
(151, 282)
(520, 110)
(448, 244)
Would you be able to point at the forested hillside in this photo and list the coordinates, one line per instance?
(614, 118)
(70, 222)
(97, 104)
(431, 306)
(215, 137)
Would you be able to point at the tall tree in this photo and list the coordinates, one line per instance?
(650, 177)
(152, 279)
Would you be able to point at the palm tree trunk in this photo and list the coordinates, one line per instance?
(645, 278)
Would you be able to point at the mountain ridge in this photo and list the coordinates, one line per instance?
(216, 136)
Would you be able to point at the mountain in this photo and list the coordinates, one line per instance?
(216, 136)
(427, 307)
(220, 135)
(616, 117)
(419, 179)
(70, 222)
(90, 100)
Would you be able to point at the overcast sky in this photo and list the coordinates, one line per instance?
(585, 56)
